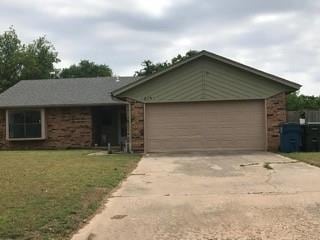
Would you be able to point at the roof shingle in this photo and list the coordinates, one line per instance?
(63, 92)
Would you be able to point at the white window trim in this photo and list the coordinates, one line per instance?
(43, 126)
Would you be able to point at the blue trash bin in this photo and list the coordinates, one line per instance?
(290, 137)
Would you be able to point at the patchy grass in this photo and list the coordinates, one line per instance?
(312, 158)
(47, 194)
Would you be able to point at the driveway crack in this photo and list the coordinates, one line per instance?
(285, 162)
(266, 163)
(269, 178)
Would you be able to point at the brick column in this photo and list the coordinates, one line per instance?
(137, 126)
(276, 114)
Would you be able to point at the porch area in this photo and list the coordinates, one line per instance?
(110, 127)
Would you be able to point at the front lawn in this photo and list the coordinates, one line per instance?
(48, 194)
(312, 158)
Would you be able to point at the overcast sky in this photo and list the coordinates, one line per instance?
(278, 36)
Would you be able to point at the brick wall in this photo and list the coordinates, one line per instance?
(2, 128)
(65, 127)
(137, 126)
(276, 114)
(72, 127)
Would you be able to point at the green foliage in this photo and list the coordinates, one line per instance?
(38, 59)
(297, 102)
(148, 67)
(19, 61)
(86, 69)
(10, 59)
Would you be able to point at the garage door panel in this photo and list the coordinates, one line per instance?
(226, 131)
(240, 118)
(174, 144)
(230, 137)
(241, 145)
(173, 123)
(172, 133)
(205, 126)
(172, 117)
(227, 125)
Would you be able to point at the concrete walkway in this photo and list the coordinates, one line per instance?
(212, 196)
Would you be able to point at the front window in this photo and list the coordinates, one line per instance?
(25, 124)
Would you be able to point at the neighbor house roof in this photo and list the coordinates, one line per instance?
(63, 92)
(213, 56)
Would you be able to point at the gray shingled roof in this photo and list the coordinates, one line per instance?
(63, 92)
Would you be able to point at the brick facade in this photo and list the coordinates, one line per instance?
(276, 114)
(137, 126)
(65, 128)
(72, 127)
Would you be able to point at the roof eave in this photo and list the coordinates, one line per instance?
(63, 105)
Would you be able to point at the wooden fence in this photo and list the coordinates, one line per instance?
(311, 116)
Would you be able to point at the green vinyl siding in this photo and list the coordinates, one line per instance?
(205, 79)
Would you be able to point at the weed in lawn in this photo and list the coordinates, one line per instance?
(267, 166)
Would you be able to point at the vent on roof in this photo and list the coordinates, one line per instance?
(117, 78)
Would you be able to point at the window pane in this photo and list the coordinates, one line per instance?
(33, 130)
(16, 117)
(16, 131)
(25, 124)
(33, 116)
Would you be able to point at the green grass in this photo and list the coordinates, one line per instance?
(48, 194)
(312, 158)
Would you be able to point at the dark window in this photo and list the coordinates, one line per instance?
(25, 124)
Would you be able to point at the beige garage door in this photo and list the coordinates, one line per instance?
(228, 125)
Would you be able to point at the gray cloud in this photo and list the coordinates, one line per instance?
(281, 37)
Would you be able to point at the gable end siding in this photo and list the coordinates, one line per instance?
(205, 79)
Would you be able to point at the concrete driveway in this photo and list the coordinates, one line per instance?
(254, 195)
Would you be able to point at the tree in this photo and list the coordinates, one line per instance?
(86, 69)
(10, 59)
(148, 67)
(19, 61)
(297, 102)
(38, 59)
